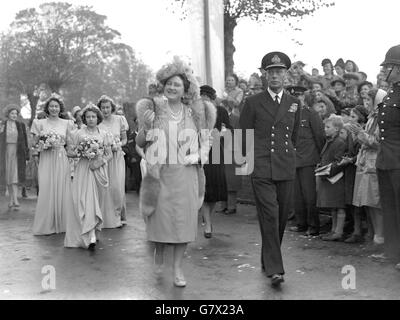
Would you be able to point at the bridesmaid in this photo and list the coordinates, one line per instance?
(89, 176)
(113, 201)
(14, 141)
(55, 196)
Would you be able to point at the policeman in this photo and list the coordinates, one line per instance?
(388, 159)
(274, 116)
(310, 142)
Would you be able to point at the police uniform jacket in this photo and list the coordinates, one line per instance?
(389, 130)
(275, 134)
(311, 138)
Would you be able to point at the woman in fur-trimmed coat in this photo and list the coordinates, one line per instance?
(172, 191)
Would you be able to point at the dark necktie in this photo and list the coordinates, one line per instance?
(277, 100)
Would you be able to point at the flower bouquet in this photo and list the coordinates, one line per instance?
(49, 140)
(90, 148)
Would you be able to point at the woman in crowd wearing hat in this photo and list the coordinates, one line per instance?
(15, 152)
(90, 174)
(366, 188)
(113, 203)
(214, 170)
(55, 195)
(172, 190)
(232, 92)
(339, 67)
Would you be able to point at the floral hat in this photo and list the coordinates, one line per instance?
(179, 67)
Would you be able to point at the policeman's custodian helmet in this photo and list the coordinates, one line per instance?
(392, 56)
(275, 59)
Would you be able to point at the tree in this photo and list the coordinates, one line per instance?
(63, 46)
(260, 11)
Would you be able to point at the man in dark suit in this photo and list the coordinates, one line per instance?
(388, 159)
(275, 118)
(310, 142)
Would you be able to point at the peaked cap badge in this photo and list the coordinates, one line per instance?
(275, 59)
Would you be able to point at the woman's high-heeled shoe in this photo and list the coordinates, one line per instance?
(180, 282)
(208, 235)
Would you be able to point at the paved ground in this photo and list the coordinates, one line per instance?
(225, 267)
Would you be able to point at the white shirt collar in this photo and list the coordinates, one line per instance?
(273, 94)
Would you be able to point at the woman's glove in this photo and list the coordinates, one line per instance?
(96, 163)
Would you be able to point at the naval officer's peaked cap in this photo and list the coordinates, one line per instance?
(275, 59)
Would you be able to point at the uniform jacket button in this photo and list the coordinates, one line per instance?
(272, 150)
(383, 138)
(272, 142)
(382, 122)
(272, 135)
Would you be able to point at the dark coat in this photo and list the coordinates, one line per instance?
(311, 138)
(234, 181)
(275, 134)
(331, 195)
(22, 151)
(389, 129)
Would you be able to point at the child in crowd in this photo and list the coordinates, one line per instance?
(345, 114)
(331, 195)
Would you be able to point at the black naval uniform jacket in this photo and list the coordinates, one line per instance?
(389, 130)
(275, 134)
(311, 138)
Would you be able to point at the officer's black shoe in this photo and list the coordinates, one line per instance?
(276, 280)
(92, 247)
(298, 229)
(312, 233)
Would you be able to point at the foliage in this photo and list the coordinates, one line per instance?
(261, 11)
(69, 48)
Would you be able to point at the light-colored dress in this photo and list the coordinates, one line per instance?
(11, 153)
(113, 201)
(87, 218)
(366, 187)
(176, 214)
(54, 177)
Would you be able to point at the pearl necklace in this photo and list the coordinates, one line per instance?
(178, 115)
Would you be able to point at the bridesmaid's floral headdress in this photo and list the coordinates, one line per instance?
(105, 98)
(54, 97)
(180, 68)
(92, 107)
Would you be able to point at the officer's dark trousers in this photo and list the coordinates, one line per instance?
(305, 198)
(389, 191)
(273, 200)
